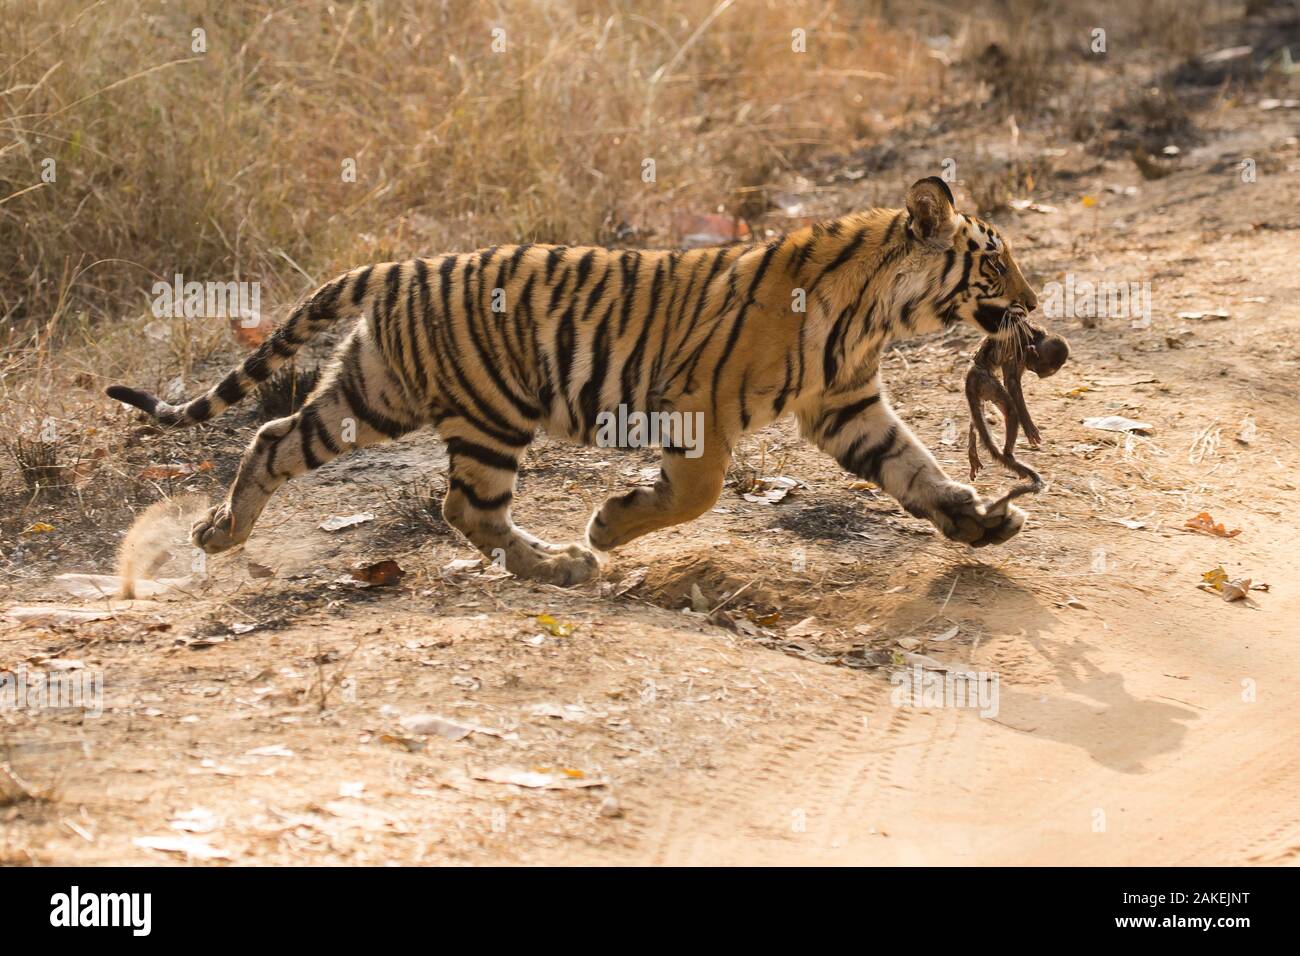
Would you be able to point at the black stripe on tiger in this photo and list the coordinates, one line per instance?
(494, 503)
(833, 420)
(844, 256)
(866, 461)
(463, 447)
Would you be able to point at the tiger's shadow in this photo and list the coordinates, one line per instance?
(1090, 708)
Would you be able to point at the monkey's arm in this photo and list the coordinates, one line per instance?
(982, 386)
(1011, 373)
(979, 384)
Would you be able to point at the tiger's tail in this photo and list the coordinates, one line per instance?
(346, 294)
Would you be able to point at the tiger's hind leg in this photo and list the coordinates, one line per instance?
(343, 414)
(480, 489)
(686, 488)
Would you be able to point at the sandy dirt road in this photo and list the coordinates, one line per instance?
(1134, 746)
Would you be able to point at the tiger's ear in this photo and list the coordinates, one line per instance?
(932, 208)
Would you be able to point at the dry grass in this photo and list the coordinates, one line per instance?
(419, 504)
(285, 391)
(229, 163)
(37, 460)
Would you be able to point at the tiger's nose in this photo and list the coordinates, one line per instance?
(1029, 300)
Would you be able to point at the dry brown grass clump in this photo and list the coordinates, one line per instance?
(285, 391)
(418, 503)
(37, 460)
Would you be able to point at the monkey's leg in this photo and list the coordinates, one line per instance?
(973, 450)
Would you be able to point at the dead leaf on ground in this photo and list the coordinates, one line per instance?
(272, 750)
(634, 579)
(339, 522)
(194, 848)
(553, 627)
(1236, 590)
(1215, 578)
(381, 574)
(430, 725)
(540, 779)
(409, 743)
(1205, 524)
(174, 470)
(808, 627)
(460, 566)
(368, 818)
(1117, 423)
(1131, 523)
(53, 614)
(96, 587)
(699, 603)
(1216, 581)
(195, 820)
(763, 620)
(1247, 431)
(249, 333)
(772, 489)
(571, 712)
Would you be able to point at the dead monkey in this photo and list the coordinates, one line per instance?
(1031, 348)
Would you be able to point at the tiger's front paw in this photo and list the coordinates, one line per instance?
(216, 531)
(962, 516)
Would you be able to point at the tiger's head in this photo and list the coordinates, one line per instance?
(977, 278)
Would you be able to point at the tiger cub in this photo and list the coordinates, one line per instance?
(713, 343)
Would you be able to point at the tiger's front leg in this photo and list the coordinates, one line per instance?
(862, 433)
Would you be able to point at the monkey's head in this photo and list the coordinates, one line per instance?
(1046, 354)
